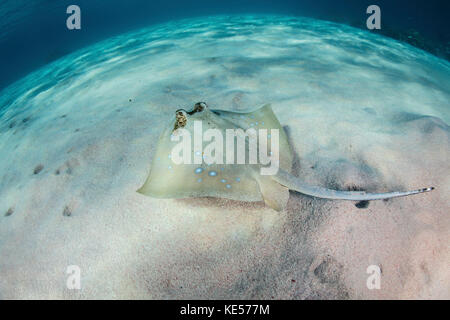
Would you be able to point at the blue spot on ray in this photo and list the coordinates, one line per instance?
(198, 170)
(212, 173)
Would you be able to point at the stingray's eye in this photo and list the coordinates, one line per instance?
(200, 106)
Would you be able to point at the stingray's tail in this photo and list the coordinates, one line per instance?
(296, 184)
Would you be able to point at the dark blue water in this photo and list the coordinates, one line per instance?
(34, 32)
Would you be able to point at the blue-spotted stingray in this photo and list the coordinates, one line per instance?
(242, 182)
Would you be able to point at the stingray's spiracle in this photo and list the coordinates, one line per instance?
(181, 119)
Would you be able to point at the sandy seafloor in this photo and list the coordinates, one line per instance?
(360, 110)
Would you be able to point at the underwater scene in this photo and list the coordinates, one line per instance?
(288, 150)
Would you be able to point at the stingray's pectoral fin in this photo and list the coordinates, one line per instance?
(294, 183)
(274, 194)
